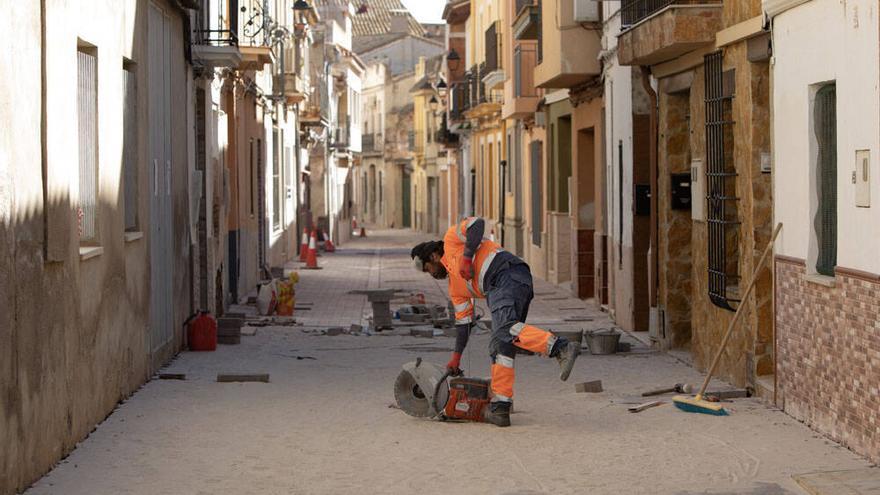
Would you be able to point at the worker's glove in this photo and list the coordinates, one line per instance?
(454, 364)
(466, 268)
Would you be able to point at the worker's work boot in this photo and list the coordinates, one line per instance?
(565, 353)
(498, 413)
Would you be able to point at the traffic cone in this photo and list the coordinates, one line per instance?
(312, 258)
(304, 246)
(328, 244)
(363, 232)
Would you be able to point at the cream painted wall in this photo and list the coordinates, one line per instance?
(847, 51)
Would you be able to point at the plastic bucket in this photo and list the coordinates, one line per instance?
(603, 341)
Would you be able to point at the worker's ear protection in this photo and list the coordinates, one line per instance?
(419, 264)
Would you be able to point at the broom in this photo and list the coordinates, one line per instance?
(696, 404)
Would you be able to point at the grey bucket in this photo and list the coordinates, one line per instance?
(602, 341)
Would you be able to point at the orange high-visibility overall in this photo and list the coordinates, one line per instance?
(508, 295)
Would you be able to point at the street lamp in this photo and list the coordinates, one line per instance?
(433, 102)
(453, 60)
(301, 5)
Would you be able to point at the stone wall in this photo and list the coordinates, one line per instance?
(829, 353)
(675, 251)
(692, 320)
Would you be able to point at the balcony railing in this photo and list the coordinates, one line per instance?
(341, 136)
(225, 31)
(443, 136)
(635, 11)
(459, 100)
(521, 4)
(216, 37)
(371, 142)
(524, 61)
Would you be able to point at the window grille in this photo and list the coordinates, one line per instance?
(825, 221)
(722, 213)
(87, 117)
(129, 148)
(261, 204)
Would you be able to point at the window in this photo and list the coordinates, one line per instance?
(130, 146)
(276, 178)
(825, 169)
(87, 121)
(722, 217)
(535, 152)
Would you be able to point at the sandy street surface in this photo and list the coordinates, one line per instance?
(324, 425)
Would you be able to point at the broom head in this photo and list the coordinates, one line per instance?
(698, 405)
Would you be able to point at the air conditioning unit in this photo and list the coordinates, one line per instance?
(586, 11)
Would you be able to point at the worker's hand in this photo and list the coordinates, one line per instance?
(466, 268)
(454, 364)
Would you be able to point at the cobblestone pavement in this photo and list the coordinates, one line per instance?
(325, 423)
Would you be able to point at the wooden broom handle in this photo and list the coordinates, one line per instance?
(739, 310)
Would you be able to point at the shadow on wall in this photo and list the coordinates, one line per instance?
(75, 335)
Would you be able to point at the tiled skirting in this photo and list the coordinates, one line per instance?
(828, 349)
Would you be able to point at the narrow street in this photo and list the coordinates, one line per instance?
(325, 422)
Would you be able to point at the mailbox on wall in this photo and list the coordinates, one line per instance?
(680, 198)
(642, 203)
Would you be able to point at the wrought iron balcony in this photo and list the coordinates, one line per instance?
(634, 11)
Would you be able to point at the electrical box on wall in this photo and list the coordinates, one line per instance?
(862, 178)
(586, 11)
(698, 191)
(680, 198)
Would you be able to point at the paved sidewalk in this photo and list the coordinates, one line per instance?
(324, 424)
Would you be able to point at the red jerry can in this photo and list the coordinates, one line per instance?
(201, 332)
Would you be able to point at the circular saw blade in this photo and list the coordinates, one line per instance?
(414, 389)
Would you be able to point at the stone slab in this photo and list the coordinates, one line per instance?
(850, 482)
(232, 377)
(592, 387)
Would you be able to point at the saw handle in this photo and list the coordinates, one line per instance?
(437, 392)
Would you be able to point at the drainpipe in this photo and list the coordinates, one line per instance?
(654, 263)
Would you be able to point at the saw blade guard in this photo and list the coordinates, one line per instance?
(415, 388)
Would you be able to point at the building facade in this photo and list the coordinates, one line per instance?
(825, 130)
(94, 196)
(711, 127)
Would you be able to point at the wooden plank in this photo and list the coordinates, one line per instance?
(232, 377)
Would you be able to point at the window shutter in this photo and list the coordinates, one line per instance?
(537, 189)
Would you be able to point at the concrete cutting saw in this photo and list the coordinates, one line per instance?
(425, 390)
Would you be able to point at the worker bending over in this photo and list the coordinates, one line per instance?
(477, 268)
